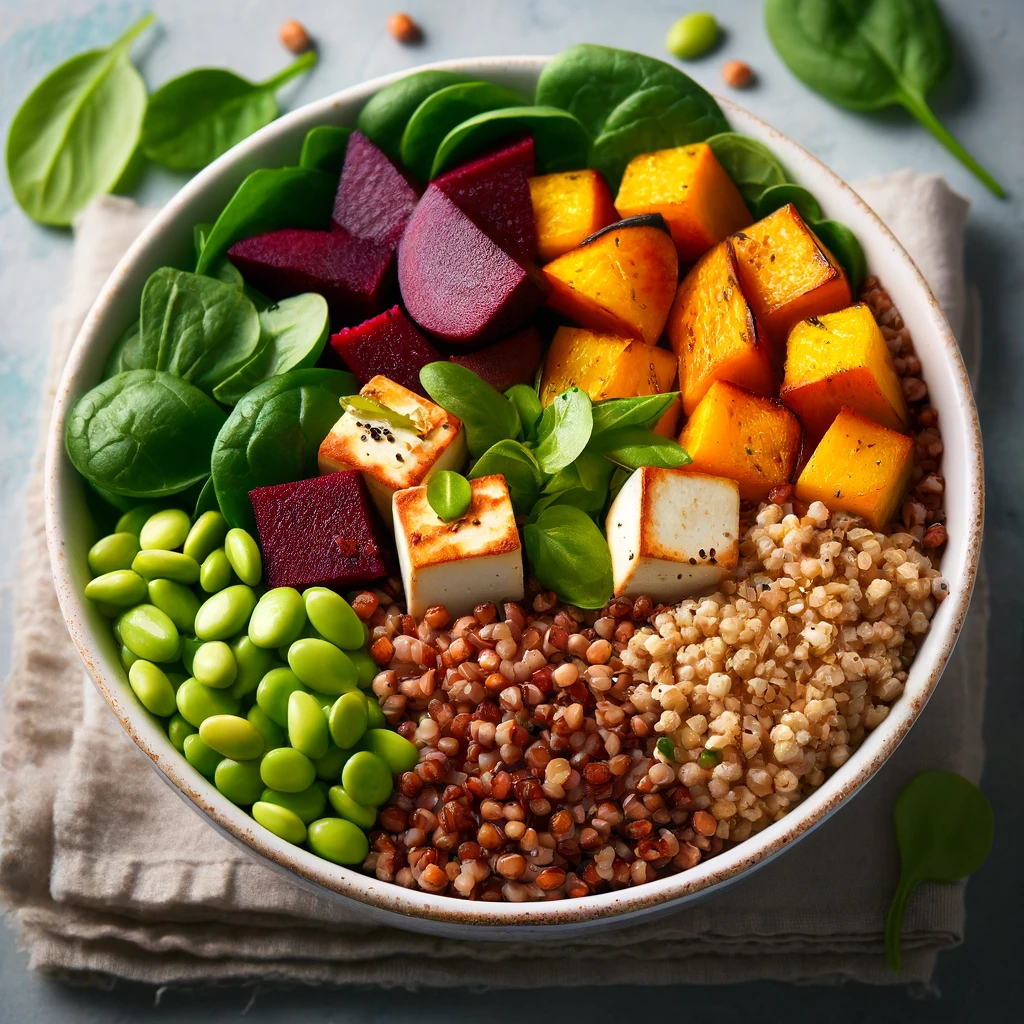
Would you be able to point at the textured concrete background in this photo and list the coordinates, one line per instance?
(981, 103)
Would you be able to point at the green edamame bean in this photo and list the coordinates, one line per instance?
(367, 778)
(326, 702)
(338, 840)
(157, 563)
(177, 601)
(111, 611)
(692, 35)
(284, 823)
(273, 692)
(121, 588)
(307, 806)
(322, 666)
(366, 667)
(330, 766)
(307, 725)
(215, 572)
(239, 781)
(115, 551)
(253, 664)
(133, 520)
(201, 755)
(400, 754)
(214, 665)
(374, 716)
(151, 685)
(196, 702)
(244, 555)
(232, 736)
(272, 733)
(206, 535)
(278, 618)
(127, 658)
(189, 646)
(165, 530)
(226, 613)
(178, 730)
(332, 616)
(149, 633)
(347, 718)
(175, 679)
(287, 769)
(349, 809)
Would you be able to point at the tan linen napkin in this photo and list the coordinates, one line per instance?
(109, 875)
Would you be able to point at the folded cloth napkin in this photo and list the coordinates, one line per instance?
(109, 875)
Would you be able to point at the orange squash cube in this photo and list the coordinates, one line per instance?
(787, 276)
(621, 281)
(839, 359)
(691, 190)
(859, 466)
(568, 207)
(604, 366)
(668, 425)
(749, 438)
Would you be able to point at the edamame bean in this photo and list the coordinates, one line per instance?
(189, 646)
(177, 601)
(273, 692)
(374, 716)
(400, 754)
(169, 565)
(226, 613)
(133, 520)
(272, 733)
(253, 664)
(244, 555)
(178, 730)
(127, 658)
(115, 551)
(307, 805)
(330, 766)
(367, 778)
(201, 755)
(322, 666)
(206, 535)
(278, 618)
(347, 719)
(215, 572)
(232, 736)
(239, 781)
(214, 665)
(338, 840)
(111, 611)
(121, 588)
(151, 685)
(366, 668)
(349, 809)
(196, 702)
(284, 823)
(288, 770)
(149, 633)
(307, 725)
(692, 35)
(165, 530)
(333, 618)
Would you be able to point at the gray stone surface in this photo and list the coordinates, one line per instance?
(981, 103)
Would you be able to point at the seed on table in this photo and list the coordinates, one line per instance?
(232, 736)
(244, 556)
(737, 74)
(156, 563)
(294, 37)
(150, 684)
(285, 824)
(334, 619)
(278, 618)
(213, 664)
(115, 551)
(402, 28)
(692, 36)
(215, 572)
(165, 530)
(338, 840)
(121, 588)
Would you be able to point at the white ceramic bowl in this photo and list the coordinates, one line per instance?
(168, 240)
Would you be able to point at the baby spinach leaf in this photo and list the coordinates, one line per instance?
(843, 244)
(268, 199)
(77, 131)
(194, 118)
(750, 163)
(866, 55)
(125, 354)
(387, 112)
(569, 555)
(516, 463)
(642, 411)
(324, 147)
(273, 436)
(449, 494)
(628, 103)
(583, 483)
(207, 500)
(559, 140)
(564, 430)
(527, 404)
(444, 110)
(144, 433)
(777, 196)
(633, 447)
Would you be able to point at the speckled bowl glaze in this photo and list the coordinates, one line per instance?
(168, 240)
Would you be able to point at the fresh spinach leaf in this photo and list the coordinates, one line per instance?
(516, 463)
(752, 166)
(144, 434)
(642, 411)
(583, 483)
(628, 103)
(207, 500)
(870, 54)
(564, 430)
(633, 447)
(777, 196)
(126, 354)
(527, 404)
(569, 555)
(843, 244)
(77, 131)
(273, 436)
(194, 118)
(323, 148)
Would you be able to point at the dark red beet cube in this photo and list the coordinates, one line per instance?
(458, 284)
(388, 344)
(494, 190)
(512, 361)
(321, 532)
(355, 275)
(374, 197)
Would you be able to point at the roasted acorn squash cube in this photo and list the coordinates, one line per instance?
(568, 207)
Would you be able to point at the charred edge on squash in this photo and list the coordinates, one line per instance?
(641, 220)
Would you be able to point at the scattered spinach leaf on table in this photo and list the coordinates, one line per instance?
(323, 148)
(564, 430)
(517, 464)
(449, 494)
(569, 555)
(752, 166)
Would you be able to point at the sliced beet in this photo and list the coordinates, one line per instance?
(389, 345)
(353, 274)
(458, 284)
(321, 532)
(374, 197)
(508, 362)
(494, 190)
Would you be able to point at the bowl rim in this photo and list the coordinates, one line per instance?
(389, 902)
